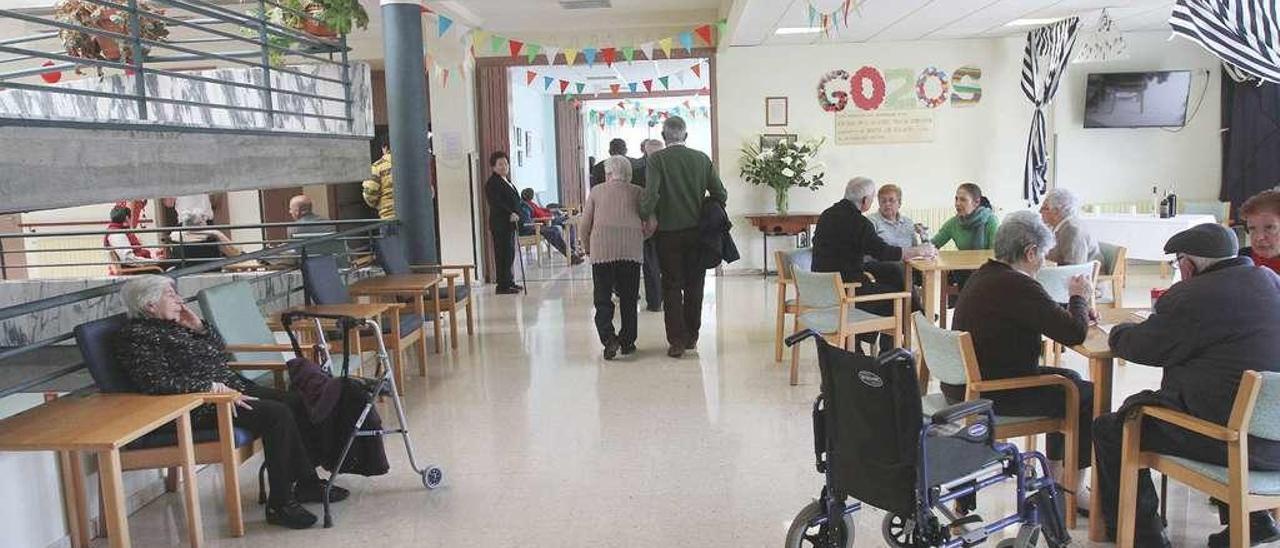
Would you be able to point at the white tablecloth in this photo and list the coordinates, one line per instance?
(1143, 235)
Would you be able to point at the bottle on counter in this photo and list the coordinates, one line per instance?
(1155, 200)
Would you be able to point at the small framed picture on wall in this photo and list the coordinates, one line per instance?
(519, 138)
(768, 140)
(528, 141)
(519, 158)
(775, 111)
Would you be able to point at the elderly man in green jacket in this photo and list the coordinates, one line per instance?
(678, 179)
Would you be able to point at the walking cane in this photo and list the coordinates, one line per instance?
(515, 242)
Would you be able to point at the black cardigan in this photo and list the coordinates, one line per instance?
(503, 200)
(843, 238)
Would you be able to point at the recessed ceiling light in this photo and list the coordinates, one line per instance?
(1032, 22)
(798, 30)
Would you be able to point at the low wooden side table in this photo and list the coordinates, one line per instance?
(776, 224)
(103, 424)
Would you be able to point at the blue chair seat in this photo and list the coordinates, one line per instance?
(408, 323)
(460, 293)
(1260, 482)
(933, 403)
(168, 437)
(828, 320)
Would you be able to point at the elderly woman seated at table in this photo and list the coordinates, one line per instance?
(1006, 311)
(1074, 244)
(1261, 215)
(167, 349)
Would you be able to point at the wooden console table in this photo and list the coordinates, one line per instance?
(774, 224)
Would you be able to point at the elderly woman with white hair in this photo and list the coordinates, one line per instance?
(201, 245)
(613, 234)
(1075, 244)
(166, 349)
(1007, 311)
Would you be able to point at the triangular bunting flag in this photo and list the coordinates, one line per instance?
(664, 80)
(628, 53)
(697, 69)
(515, 46)
(632, 86)
(686, 41)
(614, 88)
(442, 25)
(704, 32)
(686, 105)
(590, 55)
(648, 85)
(665, 44)
(479, 38)
(845, 7)
(608, 54)
(529, 77)
(424, 9)
(550, 52)
(680, 77)
(825, 23)
(570, 55)
(581, 86)
(497, 44)
(647, 49)
(721, 26)
(813, 15)
(546, 82)
(531, 52)
(564, 84)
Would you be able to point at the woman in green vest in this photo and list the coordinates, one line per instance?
(975, 223)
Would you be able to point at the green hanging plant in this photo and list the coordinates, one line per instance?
(340, 16)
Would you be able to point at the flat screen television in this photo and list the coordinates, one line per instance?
(1137, 99)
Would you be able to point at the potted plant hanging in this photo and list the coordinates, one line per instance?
(785, 165)
(85, 44)
(334, 17)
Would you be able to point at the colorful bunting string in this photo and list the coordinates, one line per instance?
(664, 82)
(834, 18)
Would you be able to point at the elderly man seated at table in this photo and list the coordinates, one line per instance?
(1007, 311)
(167, 349)
(1223, 319)
(1074, 244)
(844, 237)
(1261, 215)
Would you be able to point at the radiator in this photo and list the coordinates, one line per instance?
(97, 254)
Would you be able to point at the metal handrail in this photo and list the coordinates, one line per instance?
(256, 32)
(370, 230)
(12, 235)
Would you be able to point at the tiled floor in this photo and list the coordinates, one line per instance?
(546, 444)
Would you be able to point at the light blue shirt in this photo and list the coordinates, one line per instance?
(899, 233)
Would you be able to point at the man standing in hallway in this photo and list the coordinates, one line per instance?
(677, 180)
(650, 268)
(617, 147)
(380, 192)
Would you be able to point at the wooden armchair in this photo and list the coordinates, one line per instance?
(225, 444)
(826, 304)
(117, 268)
(391, 258)
(801, 258)
(1243, 490)
(951, 358)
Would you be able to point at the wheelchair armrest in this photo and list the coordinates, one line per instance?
(961, 410)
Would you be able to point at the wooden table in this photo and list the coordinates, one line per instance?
(1096, 349)
(775, 224)
(102, 424)
(934, 273)
(413, 286)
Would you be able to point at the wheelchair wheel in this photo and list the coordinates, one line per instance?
(802, 535)
(432, 476)
(898, 531)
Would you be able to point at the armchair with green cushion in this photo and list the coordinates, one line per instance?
(829, 306)
(233, 310)
(1256, 413)
(390, 253)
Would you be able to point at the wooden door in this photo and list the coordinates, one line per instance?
(493, 121)
(569, 154)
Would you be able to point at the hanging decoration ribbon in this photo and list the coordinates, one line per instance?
(531, 77)
(835, 18)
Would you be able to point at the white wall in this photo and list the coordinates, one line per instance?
(985, 143)
(1119, 165)
(533, 111)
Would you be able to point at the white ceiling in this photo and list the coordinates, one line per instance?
(904, 20)
(549, 16)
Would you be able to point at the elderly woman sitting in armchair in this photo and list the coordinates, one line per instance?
(167, 349)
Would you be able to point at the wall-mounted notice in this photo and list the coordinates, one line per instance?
(856, 127)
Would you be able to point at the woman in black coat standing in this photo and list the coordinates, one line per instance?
(504, 212)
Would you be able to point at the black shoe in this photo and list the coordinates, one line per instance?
(507, 290)
(628, 349)
(610, 350)
(1145, 539)
(313, 491)
(1262, 529)
(675, 351)
(576, 259)
(291, 515)
(654, 308)
(692, 344)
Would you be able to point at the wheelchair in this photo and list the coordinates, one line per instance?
(874, 445)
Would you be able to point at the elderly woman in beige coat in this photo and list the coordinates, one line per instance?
(613, 235)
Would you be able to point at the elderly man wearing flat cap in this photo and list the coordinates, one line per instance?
(1221, 320)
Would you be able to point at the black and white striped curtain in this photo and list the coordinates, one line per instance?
(1243, 33)
(1047, 54)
